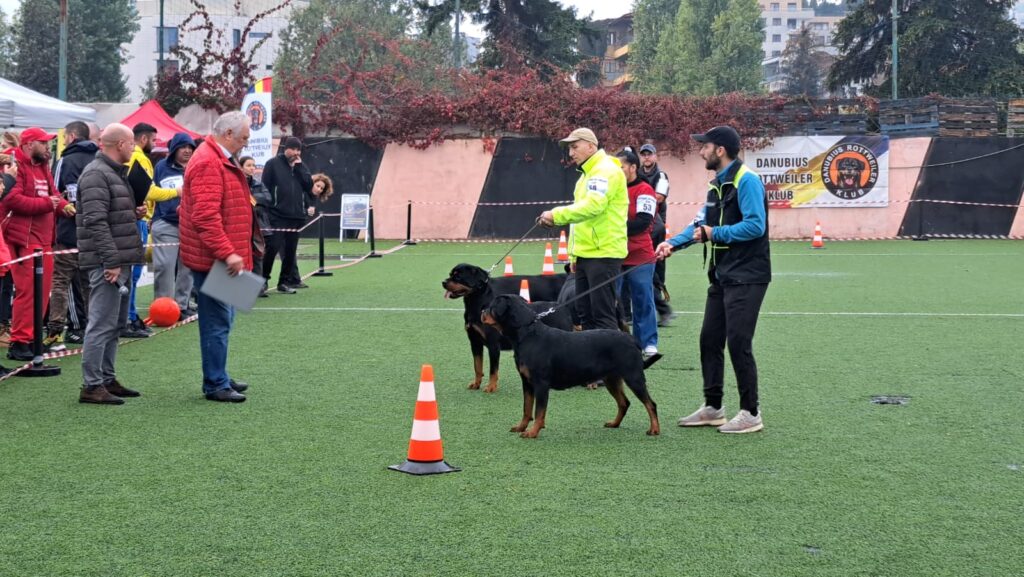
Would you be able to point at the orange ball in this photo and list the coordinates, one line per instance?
(164, 312)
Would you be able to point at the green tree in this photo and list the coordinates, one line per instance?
(949, 47)
(542, 31)
(99, 30)
(651, 18)
(6, 46)
(713, 47)
(802, 66)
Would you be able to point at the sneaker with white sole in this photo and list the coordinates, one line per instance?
(650, 351)
(743, 422)
(705, 416)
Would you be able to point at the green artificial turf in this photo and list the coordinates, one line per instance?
(294, 481)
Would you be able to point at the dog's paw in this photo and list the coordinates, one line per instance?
(491, 388)
(611, 425)
(517, 429)
(474, 385)
(653, 432)
(531, 434)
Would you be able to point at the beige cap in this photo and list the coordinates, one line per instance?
(584, 134)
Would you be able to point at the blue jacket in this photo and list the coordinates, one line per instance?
(169, 174)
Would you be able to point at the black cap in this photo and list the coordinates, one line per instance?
(648, 148)
(143, 128)
(292, 142)
(724, 136)
(629, 156)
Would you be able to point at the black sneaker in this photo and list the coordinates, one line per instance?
(136, 330)
(285, 289)
(299, 285)
(74, 337)
(20, 352)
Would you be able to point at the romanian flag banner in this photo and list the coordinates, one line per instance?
(257, 106)
(824, 171)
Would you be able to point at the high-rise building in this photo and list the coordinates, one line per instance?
(144, 50)
(618, 34)
(784, 19)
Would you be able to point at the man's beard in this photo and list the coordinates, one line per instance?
(713, 163)
(38, 157)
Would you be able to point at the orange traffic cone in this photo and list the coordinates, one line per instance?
(563, 249)
(426, 454)
(508, 266)
(549, 261)
(524, 290)
(818, 241)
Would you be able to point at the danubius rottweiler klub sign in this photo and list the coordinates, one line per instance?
(833, 171)
(257, 106)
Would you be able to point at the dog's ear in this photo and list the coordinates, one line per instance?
(476, 277)
(518, 313)
(498, 309)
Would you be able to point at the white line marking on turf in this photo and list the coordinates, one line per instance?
(694, 313)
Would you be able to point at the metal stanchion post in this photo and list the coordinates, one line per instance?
(373, 240)
(38, 369)
(321, 271)
(408, 225)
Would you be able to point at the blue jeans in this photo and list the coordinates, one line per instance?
(215, 319)
(641, 292)
(137, 271)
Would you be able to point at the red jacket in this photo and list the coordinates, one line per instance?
(32, 220)
(215, 213)
(641, 199)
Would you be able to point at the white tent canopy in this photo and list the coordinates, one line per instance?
(22, 107)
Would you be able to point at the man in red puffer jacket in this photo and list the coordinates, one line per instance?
(33, 204)
(216, 224)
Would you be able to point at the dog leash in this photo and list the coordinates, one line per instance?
(518, 242)
(605, 283)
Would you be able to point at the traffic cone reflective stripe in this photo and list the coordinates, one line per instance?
(818, 241)
(508, 266)
(524, 290)
(563, 248)
(426, 452)
(549, 261)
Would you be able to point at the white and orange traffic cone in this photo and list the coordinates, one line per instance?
(524, 290)
(563, 249)
(508, 266)
(426, 453)
(818, 241)
(549, 261)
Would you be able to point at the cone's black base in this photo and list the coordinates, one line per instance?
(40, 371)
(417, 468)
(409, 243)
(374, 255)
(323, 273)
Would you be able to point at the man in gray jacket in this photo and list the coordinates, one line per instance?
(108, 244)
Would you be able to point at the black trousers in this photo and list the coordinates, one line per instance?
(730, 317)
(287, 244)
(660, 304)
(598, 310)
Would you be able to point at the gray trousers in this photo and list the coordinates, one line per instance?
(170, 277)
(108, 312)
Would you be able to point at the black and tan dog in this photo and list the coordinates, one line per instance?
(550, 359)
(477, 289)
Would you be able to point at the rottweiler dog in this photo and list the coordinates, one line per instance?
(550, 359)
(477, 289)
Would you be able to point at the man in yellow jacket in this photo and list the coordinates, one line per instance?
(597, 240)
(145, 136)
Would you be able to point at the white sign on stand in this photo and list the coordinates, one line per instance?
(355, 213)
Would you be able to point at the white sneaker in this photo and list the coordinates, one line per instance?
(705, 416)
(743, 422)
(650, 351)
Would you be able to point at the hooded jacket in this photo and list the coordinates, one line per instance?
(32, 213)
(168, 174)
(65, 177)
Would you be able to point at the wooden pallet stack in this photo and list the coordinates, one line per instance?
(1015, 118)
(968, 117)
(909, 117)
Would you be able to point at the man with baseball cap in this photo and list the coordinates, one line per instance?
(653, 175)
(291, 185)
(34, 204)
(734, 221)
(597, 239)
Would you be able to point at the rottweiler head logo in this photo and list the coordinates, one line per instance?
(849, 171)
(257, 114)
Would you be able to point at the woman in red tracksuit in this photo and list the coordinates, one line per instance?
(33, 205)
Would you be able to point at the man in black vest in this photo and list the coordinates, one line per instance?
(653, 175)
(733, 225)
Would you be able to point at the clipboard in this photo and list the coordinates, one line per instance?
(140, 182)
(239, 291)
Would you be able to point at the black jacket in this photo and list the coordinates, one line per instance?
(747, 262)
(290, 189)
(65, 176)
(107, 234)
(263, 203)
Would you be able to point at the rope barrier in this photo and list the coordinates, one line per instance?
(694, 203)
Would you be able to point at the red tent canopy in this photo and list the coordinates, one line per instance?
(152, 113)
